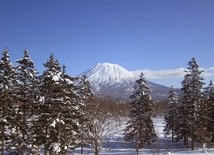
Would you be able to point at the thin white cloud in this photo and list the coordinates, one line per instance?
(211, 68)
(208, 72)
(171, 73)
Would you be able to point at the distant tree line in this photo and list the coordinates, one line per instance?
(191, 116)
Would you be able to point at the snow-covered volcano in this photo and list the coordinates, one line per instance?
(112, 80)
(104, 74)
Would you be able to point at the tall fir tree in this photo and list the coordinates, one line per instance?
(210, 111)
(172, 113)
(183, 126)
(71, 113)
(194, 100)
(140, 128)
(7, 73)
(85, 91)
(59, 114)
(47, 109)
(86, 99)
(26, 89)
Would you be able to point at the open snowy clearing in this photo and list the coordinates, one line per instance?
(149, 152)
(162, 146)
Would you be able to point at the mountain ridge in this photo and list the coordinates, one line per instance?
(114, 81)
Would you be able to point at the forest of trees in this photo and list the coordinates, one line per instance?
(190, 116)
(54, 112)
(42, 112)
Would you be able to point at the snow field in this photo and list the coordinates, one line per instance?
(115, 145)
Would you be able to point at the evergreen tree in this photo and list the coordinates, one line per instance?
(85, 91)
(7, 73)
(194, 99)
(140, 128)
(58, 111)
(26, 90)
(86, 99)
(171, 115)
(183, 127)
(210, 111)
(71, 113)
(47, 112)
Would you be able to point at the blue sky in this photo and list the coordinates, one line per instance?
(136, 34)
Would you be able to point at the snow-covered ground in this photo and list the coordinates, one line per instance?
(163, 145)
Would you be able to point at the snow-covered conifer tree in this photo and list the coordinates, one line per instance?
(25, 91)
(210, 111)
(183, 127)
(172, 112)
(85, 90)
(86, 99)
(140, 128)
(7, 72)
(194, 98)
(70, 112)
(59, 110)
(48, 111)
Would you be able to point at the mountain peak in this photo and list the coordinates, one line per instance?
(109, 66)
(108, 73)
(114, 81)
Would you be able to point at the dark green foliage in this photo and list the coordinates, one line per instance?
(172, 113)
(41, 112)
(140, 128)
(48, 108)
(192, 103)
(7, 73)
(71, 112)
(209, 113)
(87, 105)
(183, 125)
(25, 99)
(59, 111)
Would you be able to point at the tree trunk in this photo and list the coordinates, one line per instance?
(172, 135)
(96, 153)
(51, 151)
(2, 146)
(193, 141)
(2, 140)
(81, 151)
(45, 151)
(96, 147)
(23, 147)
(137, 148)
(46, 145)
(186, 141)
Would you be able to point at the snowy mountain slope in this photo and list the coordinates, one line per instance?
(108, 74)
(112, 80)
